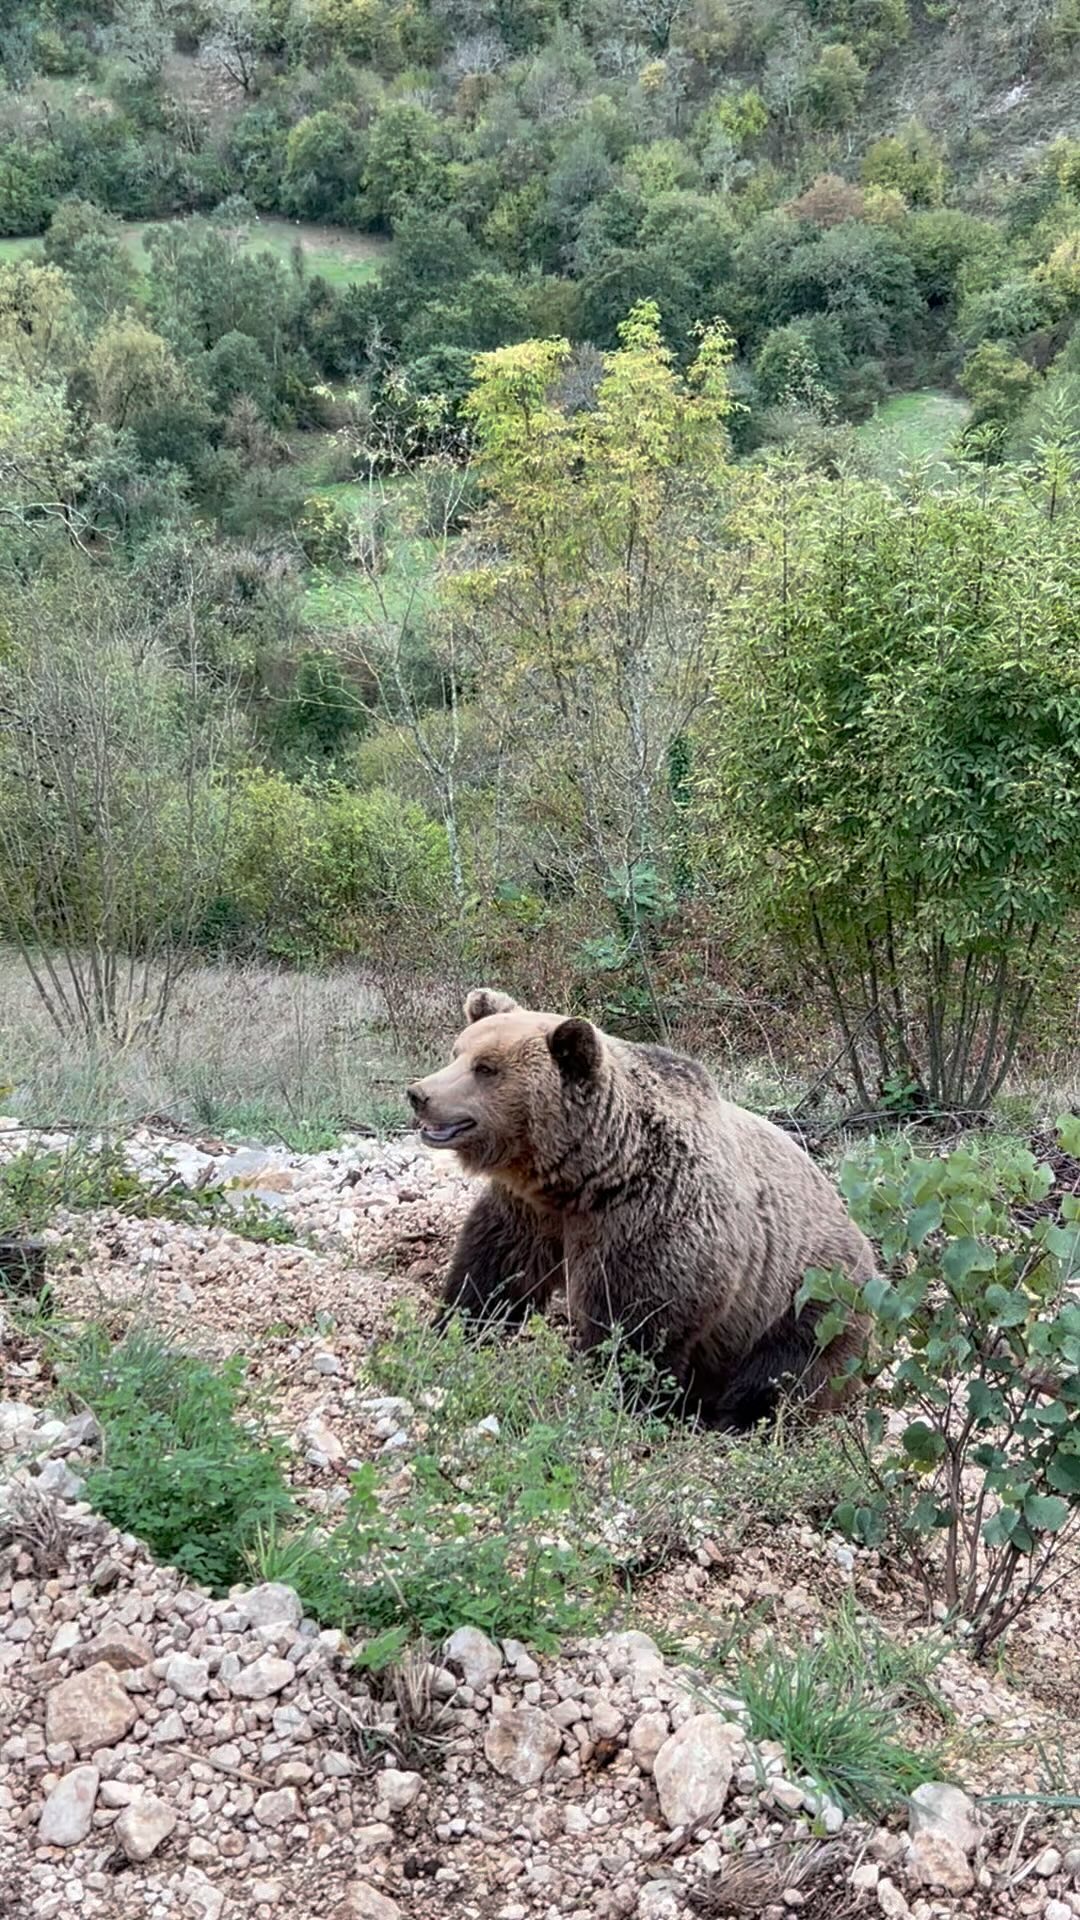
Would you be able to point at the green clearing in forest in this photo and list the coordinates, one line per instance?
(343, 258)
(913, 426)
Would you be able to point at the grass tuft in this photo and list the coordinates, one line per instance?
(836, 1709)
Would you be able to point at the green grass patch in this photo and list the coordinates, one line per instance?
(184, 1465)
(342, 257)
(912, 427)
(19, 248)
(338, 255)
(339, 598)
(837, 1707)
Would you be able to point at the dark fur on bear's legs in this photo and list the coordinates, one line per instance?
(506, 1262)
(786, 1365)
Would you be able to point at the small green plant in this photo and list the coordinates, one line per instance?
(977, 1348)
(37, 1185)
(182, 1467)
(438, 1560)
(255, 1222)
(835, 1708)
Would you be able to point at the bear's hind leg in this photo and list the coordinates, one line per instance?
(506, 1264)
(785, 1365)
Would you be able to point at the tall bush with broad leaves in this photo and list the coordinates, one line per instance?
(895, 781)
(973, 1438)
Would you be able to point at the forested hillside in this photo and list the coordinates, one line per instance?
(401, 407)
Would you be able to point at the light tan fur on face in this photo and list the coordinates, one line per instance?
(496, 1081)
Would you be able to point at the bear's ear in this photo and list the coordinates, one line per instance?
(482, 1002)
(575, 1048)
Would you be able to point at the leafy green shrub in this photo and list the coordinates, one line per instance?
(311, 870)
(896, 788)
(912, 162)
(182, 1468)
(788, 368)
(873, 26)
(833, 88)
(321, 714)
(977, 1349)
(430, 1564)
(996, 382)
(1009, 312)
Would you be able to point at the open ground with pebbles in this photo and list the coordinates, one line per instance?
(167, 1753)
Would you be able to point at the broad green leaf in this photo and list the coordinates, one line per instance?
(1063, 1472)
(925, 1219)
(964, 1256)
(1046, 1511)
(1005, 1306)
(984, 1402)
(923, 1443)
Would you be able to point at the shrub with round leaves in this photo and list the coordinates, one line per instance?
(976, 1348)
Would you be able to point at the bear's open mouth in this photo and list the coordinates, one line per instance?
(446, 1135)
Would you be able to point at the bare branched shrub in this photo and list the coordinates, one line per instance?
(34, 1521)
(114, 803)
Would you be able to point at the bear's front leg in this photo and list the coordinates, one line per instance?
(604, 1306)
(507, 1261)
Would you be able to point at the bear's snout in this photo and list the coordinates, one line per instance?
(416, 1097)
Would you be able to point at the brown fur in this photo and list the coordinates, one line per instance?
(683, 1220)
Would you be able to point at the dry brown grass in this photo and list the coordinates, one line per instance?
(248, 1049)
(268, 1053)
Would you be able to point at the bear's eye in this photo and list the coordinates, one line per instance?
(485, 1069)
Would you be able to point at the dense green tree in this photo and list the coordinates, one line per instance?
(1009, 312)
(997, 382)
(832, 90)
(432, 254)
(950, 252)
(912, 162)
(89, 247)
(862, 276)
(896, 784)
(208, 281)
(324, 160)
(236, 365)
(403, 168)
(256, 144)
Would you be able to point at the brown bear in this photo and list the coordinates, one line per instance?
(682, 1220)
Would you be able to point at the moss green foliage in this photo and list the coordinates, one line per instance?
(977, 1328)
(183, 1467)
(310, 870)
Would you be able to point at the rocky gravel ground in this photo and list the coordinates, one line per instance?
(166, 1753)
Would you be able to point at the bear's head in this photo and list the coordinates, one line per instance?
(516, 1096)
